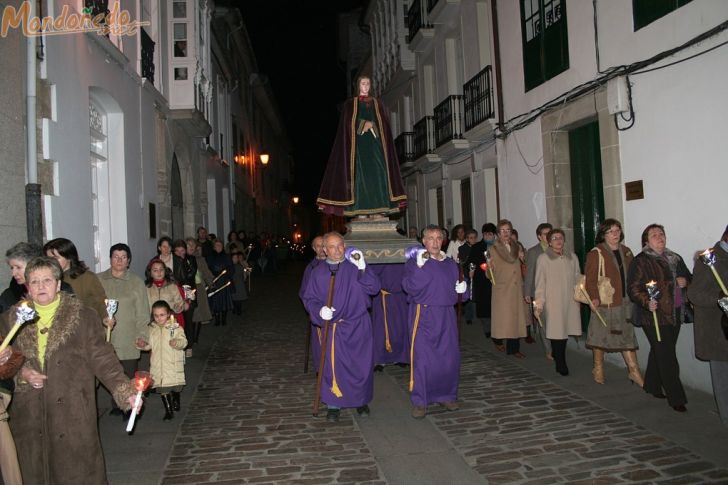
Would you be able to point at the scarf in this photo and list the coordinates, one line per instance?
(672, 260)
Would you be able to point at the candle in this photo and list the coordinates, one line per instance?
(535, 313)
(189, 292)
(490, 266)
(708, 258)
(594, 309)
(111, 307)
(23, 313)
(142, 380)
(219, 289)
(654, 293)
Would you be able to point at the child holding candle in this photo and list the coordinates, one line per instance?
(167, 361)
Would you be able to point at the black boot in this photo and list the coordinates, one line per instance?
(558, 350)
(168, 410)
(217, 319)
(223, 318)
(175, 400)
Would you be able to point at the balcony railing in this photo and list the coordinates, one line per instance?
(424, 136)
(147, 56)
(404, 145)
(449, 119)
(478, 98)
(416, 19)
(430, 5)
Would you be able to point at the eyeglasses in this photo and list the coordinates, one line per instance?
(45, 282)
(120, 257)
(614, 231)
(557, 238)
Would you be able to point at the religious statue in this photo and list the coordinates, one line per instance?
(362, 176)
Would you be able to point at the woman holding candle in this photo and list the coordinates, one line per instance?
(221, 266)
(132, 315)
(54, 418)
(557, 271)
(86, 285)
(667, 269)
(711, 343)
(618, 333)
(201, 313)
(167, 361)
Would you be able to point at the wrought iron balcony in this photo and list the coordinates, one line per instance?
(449, 119)
(97, 7)
(478, 98)
(424, 136)
(404, 145)
(416, 19)
(147, 56)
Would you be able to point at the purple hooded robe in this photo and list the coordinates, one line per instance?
(434, 348)
(389, 316)
(347, 379)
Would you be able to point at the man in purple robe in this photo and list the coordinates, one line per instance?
(431, 282)
(347, 379)
(389, 317)
(315, 342)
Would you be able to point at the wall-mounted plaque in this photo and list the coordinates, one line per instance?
(634, 190)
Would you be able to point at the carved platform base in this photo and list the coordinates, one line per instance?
(378, 239)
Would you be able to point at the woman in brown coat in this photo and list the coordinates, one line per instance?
(508, 307)
(618, 335)
(53, 417)
(667, 269)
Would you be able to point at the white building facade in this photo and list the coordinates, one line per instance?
(614, 113)
(136, 131)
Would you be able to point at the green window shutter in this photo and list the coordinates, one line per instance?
(545, 40)
(644, 12)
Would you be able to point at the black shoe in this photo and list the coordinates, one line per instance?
(680, 408)
(175, 400)
(378, 368)
(487, 334)
(563, 372)
(469, 322)
(116, 412)
(168, 409)
(363, 410)
(332, 415)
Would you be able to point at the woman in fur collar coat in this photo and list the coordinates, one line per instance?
(53, 417)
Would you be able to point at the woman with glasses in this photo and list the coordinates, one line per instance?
(132, 314)
(557, 271)
(508, 308)
(618, 335)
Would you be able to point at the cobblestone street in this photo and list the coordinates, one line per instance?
(250, 419)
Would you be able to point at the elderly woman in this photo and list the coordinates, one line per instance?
(132, 315)
(557, 271)
(221, 266)
(53, 418)
(618, 335)
(86, 286)
(508, 308)
(666, 268)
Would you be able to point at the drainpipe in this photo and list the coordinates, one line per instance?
(32, 188)
(497, 66)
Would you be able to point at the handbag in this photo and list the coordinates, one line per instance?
(604, 285)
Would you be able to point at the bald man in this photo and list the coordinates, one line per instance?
(347, 380)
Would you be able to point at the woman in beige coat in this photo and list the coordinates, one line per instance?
(557, 272)
(508, 308)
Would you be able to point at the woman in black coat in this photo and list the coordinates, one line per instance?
(222, 301)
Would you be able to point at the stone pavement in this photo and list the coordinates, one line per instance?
(249, 420)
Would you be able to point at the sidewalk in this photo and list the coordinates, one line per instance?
(250, 421)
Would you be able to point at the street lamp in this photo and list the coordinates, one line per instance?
(295, 199)
(264, 158)
(240, 159)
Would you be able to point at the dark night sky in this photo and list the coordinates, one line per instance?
(295, 43)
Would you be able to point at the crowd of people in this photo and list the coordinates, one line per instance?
(85, 328)
(516, 294)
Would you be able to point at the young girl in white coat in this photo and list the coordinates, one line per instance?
(167, 361)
